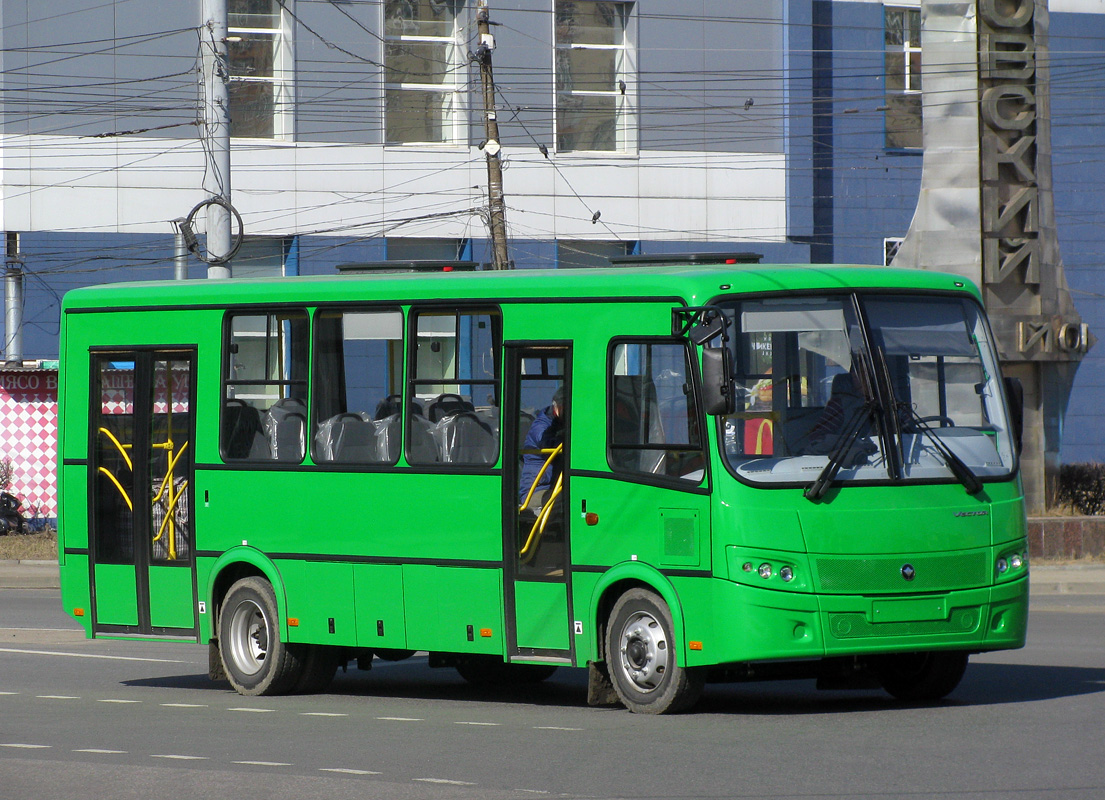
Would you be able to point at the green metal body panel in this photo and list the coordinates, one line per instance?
(378, 597)
(544, 624)
(116, 595)
(412, 558)
(171, 603)
(454, 609)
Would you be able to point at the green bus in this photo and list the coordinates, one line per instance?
(666, 475)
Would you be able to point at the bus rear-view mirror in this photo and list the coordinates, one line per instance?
(717, 381)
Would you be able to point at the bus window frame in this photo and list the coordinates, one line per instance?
(410, 380)
(224, 378)
(854, 297)
(316, 313)
(703, 485)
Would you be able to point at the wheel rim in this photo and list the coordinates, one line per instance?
(249, 637)
(643, 651)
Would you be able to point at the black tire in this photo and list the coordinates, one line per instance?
(493, 671)
(256, 662)
(641, 657)
(921, 677)
(320, 662)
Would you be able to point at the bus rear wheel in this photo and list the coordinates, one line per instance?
(921, 677)
(641, 657)
(256, 662)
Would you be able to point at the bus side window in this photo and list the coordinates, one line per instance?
(653, 425)
(454, 376)
(357, 405)
(265, 387)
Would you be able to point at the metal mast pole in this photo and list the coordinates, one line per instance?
(216, 135)
(496, 206)
(13, 301)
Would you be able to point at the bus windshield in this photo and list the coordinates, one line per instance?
(880, 387)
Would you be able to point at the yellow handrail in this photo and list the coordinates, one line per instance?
(172, 466)
(118, 486)
(538, 529)
(553, 453)
(168, 520)
(122, 447)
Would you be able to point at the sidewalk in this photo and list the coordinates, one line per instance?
(29, 575)
(1047, 579)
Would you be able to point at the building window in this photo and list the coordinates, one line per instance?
(260, 59)
(425, 70)
(262, 257)
(890, 248)
(902, 64)
(593, 73)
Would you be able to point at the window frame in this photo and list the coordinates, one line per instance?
(314, 420)
(857, 298)
(693, 377)
(411, 379)
(625, 69)
(454, 114)
(909, 77)
(283, 71)
(226, 381)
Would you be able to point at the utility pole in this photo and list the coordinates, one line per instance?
(496, 205)
(216, 124)
(13, 300)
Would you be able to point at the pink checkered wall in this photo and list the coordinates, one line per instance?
(29, 437)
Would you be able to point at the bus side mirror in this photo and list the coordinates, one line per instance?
(1014, 397)
(717, 381)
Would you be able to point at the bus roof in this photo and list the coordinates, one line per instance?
(693, 285)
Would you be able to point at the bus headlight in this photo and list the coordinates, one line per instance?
(1003, 566)
(1015, 561)
(765, 570)
(787, 574)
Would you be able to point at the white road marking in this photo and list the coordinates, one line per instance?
(487, 724)
(55, 697)
(444, 781)
(21, 746)
(263, 763)
(321, 714)
(92, 655)
(554, 728)
(8, 693)
(401, 719)
(98, 751)
(346, 771)
(185, 705)
(253, 710)
(180, 758)
(113, 700)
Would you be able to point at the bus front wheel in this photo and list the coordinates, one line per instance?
(921, 677)
(640, 653)
(255, 660)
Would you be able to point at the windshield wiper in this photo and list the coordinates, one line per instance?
(962, 472)
(844, 451)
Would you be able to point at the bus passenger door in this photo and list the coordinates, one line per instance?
(535, 498)
(140, 509)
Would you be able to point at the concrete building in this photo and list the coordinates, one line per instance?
(789, 127)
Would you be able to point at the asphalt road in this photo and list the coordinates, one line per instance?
(123, 719)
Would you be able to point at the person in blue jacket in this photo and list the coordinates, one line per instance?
(546, 432)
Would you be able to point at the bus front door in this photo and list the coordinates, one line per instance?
(140, 511)
(535, 498)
